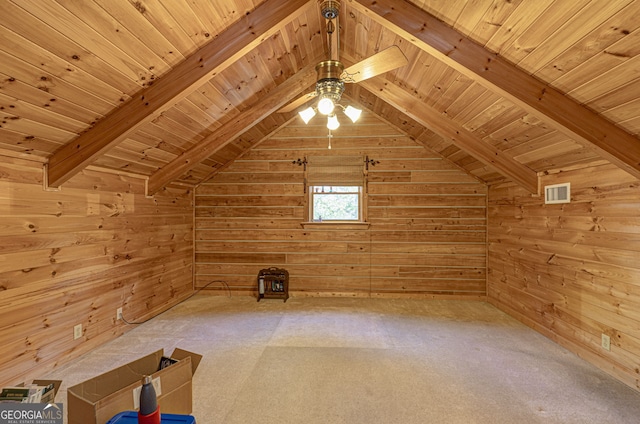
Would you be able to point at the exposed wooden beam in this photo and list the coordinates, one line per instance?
(275, 99)
(495, 73)
(445, 127)
(235, 42)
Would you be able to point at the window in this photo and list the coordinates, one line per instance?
(557, 193)
(335, 203)
(336, 189)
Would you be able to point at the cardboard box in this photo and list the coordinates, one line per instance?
(97, 400)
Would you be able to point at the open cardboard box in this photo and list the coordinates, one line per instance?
(97, 400)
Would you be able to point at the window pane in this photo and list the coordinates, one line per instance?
(328, 206)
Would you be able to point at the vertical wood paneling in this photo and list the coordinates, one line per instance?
(571, 270)
(427, 221)
(74, 256)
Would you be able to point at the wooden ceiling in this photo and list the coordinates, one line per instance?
(176, 90)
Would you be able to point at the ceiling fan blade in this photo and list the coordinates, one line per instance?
(384, 61)
(297, 102)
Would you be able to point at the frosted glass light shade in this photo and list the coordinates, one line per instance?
(326, 106)
(332, 122)
(307, 114)
(352, 113)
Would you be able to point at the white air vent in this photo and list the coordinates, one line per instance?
(557, 193)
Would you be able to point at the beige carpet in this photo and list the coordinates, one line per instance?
(340, 360)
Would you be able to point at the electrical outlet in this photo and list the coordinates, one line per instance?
(119, 314)
(606, 342)
(77, 331)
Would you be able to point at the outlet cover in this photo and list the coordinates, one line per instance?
(119, 314)
(77, 332)
(606, 342)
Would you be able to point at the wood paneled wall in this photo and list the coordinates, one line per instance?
(74, 256)
(572, 271)
(427, 233)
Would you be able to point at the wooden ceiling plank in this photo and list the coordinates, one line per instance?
(506, 39)
(28, 144)
(229, 46)
(572, 30)
(155, 142)
(213, 103)
(546, 21)
(56, 16)
(11, 121)
(207, 13)
(42, 115)
(462, 138)
(620, 29)
(162, 21)
(494, 19)
(190, 21)
(40, 98)
(471, 15)
(147, 63)
(459, 107)
(149, 35)
(30, 27)
(52, 85)
(578, 122)
(58, 68)
(251, 116)
(144, 151)
(611, 62)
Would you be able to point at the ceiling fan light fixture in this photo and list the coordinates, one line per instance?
(326, 106)
(332, 122)
(353, 113)
(329, 87)
(307, 114)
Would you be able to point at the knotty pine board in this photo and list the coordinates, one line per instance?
(570, 270)
(76, 255)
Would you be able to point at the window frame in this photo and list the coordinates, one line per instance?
(359, 192)
(362, 223)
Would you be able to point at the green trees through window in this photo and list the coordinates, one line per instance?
(335, 203)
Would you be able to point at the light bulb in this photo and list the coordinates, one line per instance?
(332, 122)
(352, 113)
(307, 114)
(325, 106)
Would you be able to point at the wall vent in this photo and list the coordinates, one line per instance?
(557, 193)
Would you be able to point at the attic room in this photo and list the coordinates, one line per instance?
(153, 159)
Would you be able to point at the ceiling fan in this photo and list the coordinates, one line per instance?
(332, 75)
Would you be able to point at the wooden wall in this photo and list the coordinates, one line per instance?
(74, 256)
(427, 233)
(572, 271)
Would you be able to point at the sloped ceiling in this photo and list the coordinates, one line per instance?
(176, 90)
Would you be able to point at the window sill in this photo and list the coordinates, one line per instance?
(342, 225)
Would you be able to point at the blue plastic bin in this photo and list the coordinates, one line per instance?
(131, 417)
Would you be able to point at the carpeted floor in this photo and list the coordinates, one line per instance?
(338, 360)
